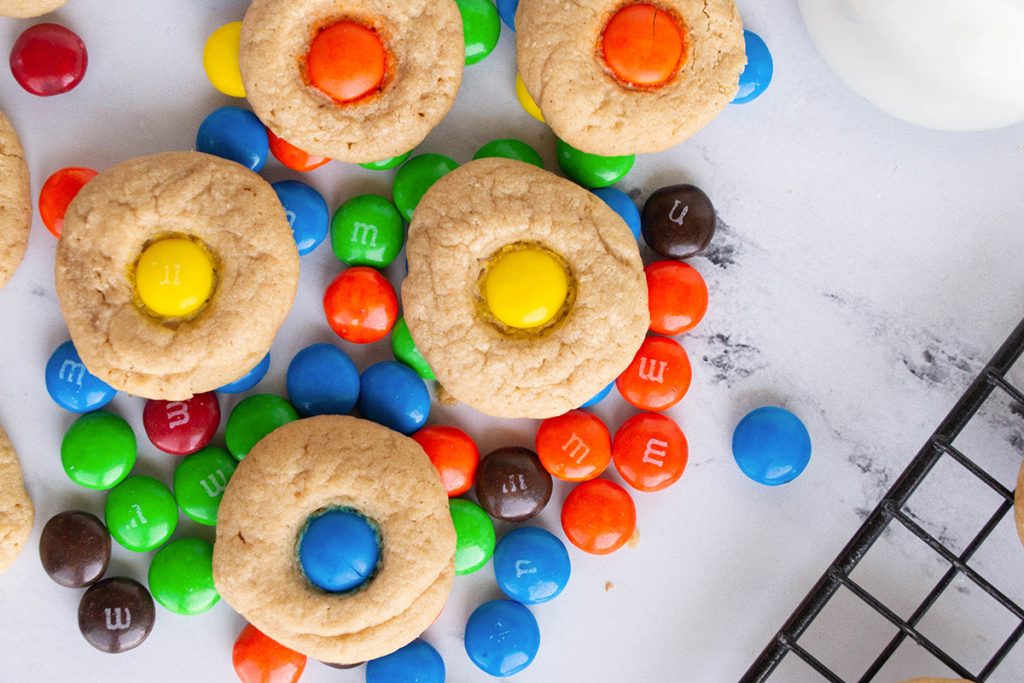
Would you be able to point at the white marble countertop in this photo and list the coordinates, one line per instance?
(864, 270)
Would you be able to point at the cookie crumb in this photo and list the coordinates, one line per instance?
(445, 398)
(634, 540)
(608, 586)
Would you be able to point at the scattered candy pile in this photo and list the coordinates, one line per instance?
(531, 565)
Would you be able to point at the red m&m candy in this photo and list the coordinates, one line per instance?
(650, 452)
(293, 157)
(258, 658)
(182, 427)
(658, 377)
(599, 516)
(677, 297)
(361, 305)
(575, 446)
(48, 59)
(58, 192)
(453, 453)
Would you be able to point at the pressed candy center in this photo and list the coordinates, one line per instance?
(347, 61)
(339, 550)
(643, 45)
(174, 277)
(526, 288)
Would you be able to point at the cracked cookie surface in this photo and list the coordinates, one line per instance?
(324, 462)
(239, 219)
(16, 511)
(470, 215)
(426, 43)
(557, 46)
(15, 204)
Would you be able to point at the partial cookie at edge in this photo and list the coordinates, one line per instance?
(560, 64)
(16, 511)
(15, 203)
(425, 38)
(25, 9)
(1018, 504)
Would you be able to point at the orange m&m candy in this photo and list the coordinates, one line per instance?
(361, 305)
(658, 377)
(643, 45)
(453, 453)
(677, 297)
(58, 192)
(347, 61)
(650, 452)
(599, 516)
(575, 446)
(258, 658)
(291, 156)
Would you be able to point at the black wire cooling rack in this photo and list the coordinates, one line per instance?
(891, 511)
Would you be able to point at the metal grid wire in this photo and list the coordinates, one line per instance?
(891, 510)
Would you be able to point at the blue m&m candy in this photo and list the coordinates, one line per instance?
(531, 565)
(502, 637)
(235, 134)
(339, 550)
(756, 78)
(600, 397)
(323, 380)
(622, 204)
(71, 385)
(306, 211)
(392, 394)
(771, 446)
(249, 379)
(417, 662)
(507, 12)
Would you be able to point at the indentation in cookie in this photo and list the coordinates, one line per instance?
(643, 45)
(339, 550)
(525, 289)
(348, 59)
(174, 278)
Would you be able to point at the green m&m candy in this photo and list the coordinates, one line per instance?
(591, 170)
(98, 451)
(416, 177)
(481, 26)
(510, 149)
(199, 483)
(367, 231)
(474, 534)
(405, 350)
(181, 576)
(141, 513)
(386, 164)
(253, 419)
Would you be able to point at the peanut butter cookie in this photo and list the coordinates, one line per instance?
(526, 294)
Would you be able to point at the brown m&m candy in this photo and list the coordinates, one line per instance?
(678, 221)
(512, 484)
(116, 615)
(75, 549)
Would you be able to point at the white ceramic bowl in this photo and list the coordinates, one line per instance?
(946, 64)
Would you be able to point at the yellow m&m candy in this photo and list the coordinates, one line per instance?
(174, 277)
(220, 59)
(527, 100)
(526, 288)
